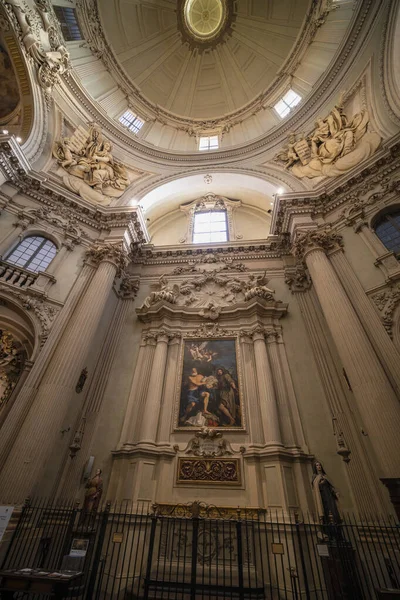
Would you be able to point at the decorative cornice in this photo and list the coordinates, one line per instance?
(355, 193)
(17, 170)
(323, 238)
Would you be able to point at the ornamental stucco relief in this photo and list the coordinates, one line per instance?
(209, 292)
(337, 145)
(89, 166)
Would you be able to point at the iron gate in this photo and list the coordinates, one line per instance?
(196, 551)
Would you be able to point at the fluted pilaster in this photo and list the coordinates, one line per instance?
(167, 406)
(39, 449)
(268, 402)
(370, 319)
(366, 489)
(376, 399)
(151, 413)
(254, 412)
(280, 387)
(17, 415)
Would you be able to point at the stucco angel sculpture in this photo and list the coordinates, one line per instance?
(256, 286)
(92, 171)
(336, 145)
(163, 291)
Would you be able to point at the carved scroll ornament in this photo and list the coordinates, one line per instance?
(336, 145)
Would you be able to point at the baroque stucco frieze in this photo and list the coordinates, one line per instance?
(209, 292)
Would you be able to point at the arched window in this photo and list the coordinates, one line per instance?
(34, 253)
(387, 228)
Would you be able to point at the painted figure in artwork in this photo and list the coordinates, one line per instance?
(209, 393)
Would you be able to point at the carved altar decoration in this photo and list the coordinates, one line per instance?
(209, 291)
(210, 202)
(212, 460)
(90, 168)
(337, 144)
(12, 358)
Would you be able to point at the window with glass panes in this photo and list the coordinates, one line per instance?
(131, 121)
(209, 142)
(388, 231)
(34, 253)
(66, 16)
(285, 105)
(210, 226)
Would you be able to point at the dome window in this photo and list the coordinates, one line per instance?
(131, 121)
(287, 103)
(209, 142)
(68, 22)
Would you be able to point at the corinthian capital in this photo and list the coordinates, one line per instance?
(115, 253)
(323, 238)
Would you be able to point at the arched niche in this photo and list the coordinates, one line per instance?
(16, 99)
(18, 345)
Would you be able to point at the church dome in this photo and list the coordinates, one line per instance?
(201, 59)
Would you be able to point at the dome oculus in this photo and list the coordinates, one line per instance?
(204, 18)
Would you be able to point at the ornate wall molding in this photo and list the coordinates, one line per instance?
(387, 301)
(51, 195)
(52, 59)
(297, 278)
(209, 292)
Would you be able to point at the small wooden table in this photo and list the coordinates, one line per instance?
(37, 581)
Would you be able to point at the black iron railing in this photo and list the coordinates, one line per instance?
(196, 551)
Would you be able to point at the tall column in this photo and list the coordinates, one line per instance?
(267, 397)
(370, 319)
(40, 445)
(151, 414)
(69, 486)
(11, 421)
(362, 479)
(375, 397)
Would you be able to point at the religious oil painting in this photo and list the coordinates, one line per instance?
(209, 391)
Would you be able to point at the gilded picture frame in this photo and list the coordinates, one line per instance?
(209, 385)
